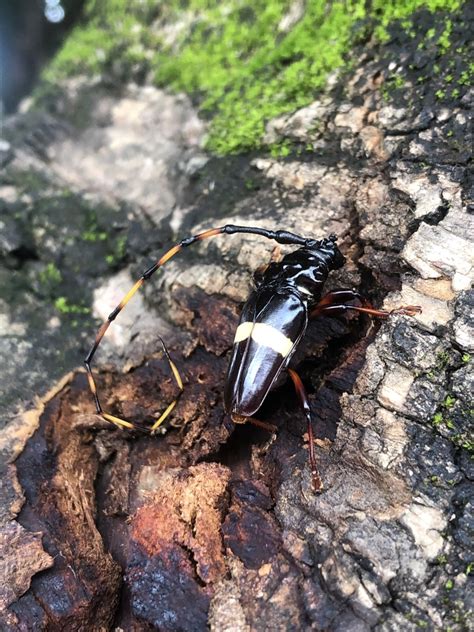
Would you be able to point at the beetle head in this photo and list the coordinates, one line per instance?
(327, 248)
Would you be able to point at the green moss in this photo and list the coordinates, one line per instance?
(466, 444)
(119, 251)
(465, 78)
(280, 149)
(420, 623)
(50, 275)
(456, 612)
(393, 82)
(90, 235)
(112, 29)
(437, 419)
(64, 307)
(444, 41)
(449, 401)
(92, 232)
(458, 431)
(236, 56)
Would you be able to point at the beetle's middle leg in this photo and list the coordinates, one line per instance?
(337, 302)
(303, 397)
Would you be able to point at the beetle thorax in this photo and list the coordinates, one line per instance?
(304, 271)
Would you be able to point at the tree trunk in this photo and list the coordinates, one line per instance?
(209, 524)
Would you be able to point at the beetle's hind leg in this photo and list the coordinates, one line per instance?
(122, 423)
(178, 381)
(263, 424)
(243, 419)
(117, 421)
(337, 302)
(303, 397)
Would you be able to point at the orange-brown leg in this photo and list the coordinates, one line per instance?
(262, 424)
(334, 303)
(303, 397)
(242, 419)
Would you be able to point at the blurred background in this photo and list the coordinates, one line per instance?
(30, 32)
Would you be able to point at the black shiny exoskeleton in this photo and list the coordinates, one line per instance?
(285, 295)
(273, 322)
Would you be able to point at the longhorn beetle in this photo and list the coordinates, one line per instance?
(271, 327)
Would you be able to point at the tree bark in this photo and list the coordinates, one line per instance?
(209, 524)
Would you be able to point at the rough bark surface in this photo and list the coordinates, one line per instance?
(208, 524)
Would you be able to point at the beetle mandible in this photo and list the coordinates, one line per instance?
(272, 324)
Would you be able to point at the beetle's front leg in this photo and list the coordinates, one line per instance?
(303, 397)
(337, 302)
